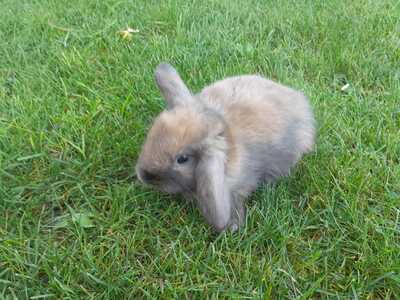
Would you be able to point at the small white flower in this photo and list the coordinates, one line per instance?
(345, 87)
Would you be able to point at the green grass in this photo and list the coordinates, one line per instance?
(76, 101)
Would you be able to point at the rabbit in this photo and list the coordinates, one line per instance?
(215, 147)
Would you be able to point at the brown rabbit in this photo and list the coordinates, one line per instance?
(216, 146)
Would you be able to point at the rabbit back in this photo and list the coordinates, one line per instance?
(271, 126)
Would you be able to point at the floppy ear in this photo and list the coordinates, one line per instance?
(172, 88)
(213, 197)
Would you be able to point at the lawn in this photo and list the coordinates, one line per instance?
(76, 101)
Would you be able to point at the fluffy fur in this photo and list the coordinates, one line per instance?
(232, 136)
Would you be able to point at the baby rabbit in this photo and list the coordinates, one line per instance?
(216, 146)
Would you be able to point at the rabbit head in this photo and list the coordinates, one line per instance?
(186, 146)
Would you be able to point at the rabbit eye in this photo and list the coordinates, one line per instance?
(181, 159)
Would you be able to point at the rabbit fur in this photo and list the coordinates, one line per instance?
(217, 146)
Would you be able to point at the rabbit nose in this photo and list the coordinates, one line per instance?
(146, 176)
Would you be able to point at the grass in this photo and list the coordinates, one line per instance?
(76, 101)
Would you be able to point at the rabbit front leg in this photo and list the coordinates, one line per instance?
(238, 212)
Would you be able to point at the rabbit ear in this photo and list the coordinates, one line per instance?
(171, 86)
(213, 196)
